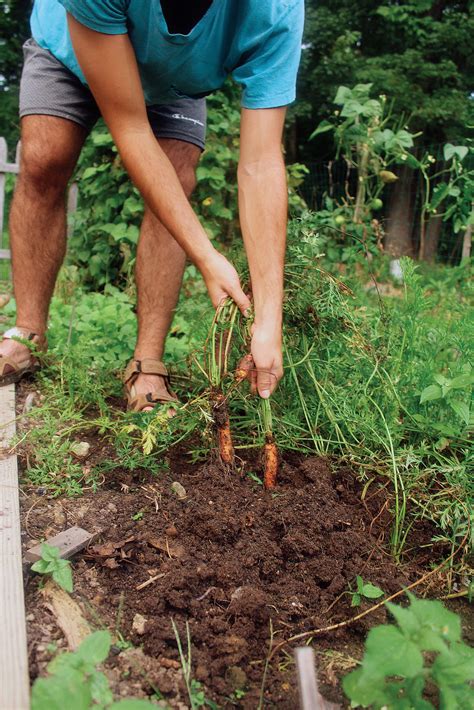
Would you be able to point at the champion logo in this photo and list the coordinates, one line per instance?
(180, 117)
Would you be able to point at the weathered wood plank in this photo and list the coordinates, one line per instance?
(68, 541)
(14, 682)
(310, 697)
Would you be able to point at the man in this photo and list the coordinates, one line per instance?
(146, 66)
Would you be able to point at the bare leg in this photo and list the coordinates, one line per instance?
(159, 271)
(50, 148)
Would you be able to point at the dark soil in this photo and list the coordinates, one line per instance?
(236, 562)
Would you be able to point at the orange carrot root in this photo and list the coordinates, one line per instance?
(222, 423)
(270, 453)
(226, 448)
(243, 368)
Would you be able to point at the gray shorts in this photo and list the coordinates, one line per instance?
(49, 88)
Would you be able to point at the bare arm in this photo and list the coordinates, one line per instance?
(263, 218)
(110, 67)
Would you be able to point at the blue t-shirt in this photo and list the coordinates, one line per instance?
(258, 42)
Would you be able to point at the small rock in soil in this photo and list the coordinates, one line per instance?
(80, 449)
(139, 624)
(180, 490)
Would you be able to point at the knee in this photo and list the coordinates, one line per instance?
(187, 178)
(43, 170)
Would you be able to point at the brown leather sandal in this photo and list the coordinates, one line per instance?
(148, 366)
(12, 370)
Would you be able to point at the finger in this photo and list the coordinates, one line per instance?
(253, 381)
(266, 383)
(242, 301)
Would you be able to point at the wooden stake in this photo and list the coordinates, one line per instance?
(14, 682)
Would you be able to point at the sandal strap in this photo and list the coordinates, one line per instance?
(147, 366)
(24, 334)
(141, 401)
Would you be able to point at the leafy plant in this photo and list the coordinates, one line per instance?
(75, 682)
(51, 564)
(396, 668)
(364, 590)
(371, 138)
(451, 391)
(196, 693)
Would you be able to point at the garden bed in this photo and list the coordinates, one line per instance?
(238, 563)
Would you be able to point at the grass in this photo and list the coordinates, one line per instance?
(356, 364)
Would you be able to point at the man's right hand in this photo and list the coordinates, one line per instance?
(222, 281)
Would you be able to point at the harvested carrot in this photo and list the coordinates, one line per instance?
(270, 454)
(222, 424)
(244, 367)
(270, 451)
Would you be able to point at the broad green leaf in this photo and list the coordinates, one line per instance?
(323, 127)
(433, 615)
(362, 91)
(100, 690)
(359, 582)
(431, 393)
(372, 108)
(362, 688)
(41, 566)
(62, 575)
(371, 591)
(356, 599)
(95, 648)
(461, 409)
(352, 108)
(410, 160)
(64, 663)
(451, 150)
(343, 95)
(406, 619)
(49, 552)
(389, 652)
(89, 172)
(457, 697)
(462, 381)
(455, 665)
(404, 138)
(61, 692)
(439, 194)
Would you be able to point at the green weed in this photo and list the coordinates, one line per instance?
(74, 678)
(396, 668)
(195, 691)
(364, 590)
(52, 565)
